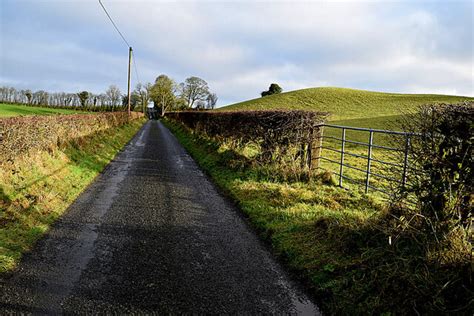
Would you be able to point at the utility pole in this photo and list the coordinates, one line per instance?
(129, 68)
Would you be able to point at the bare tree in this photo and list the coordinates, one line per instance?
(211, 100)
(143, 91)
(194, 89)
(113, 95)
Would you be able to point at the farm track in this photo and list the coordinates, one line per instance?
(152, 234)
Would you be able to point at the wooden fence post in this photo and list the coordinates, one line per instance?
(316, 148)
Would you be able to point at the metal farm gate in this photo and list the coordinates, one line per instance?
(366, 159)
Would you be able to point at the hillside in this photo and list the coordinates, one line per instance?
(345, 104)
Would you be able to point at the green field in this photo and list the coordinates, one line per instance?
(349, 107)
(9, 110)
(346, 106)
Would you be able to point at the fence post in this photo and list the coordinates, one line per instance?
(317, 148)
(341, 166)
(405, 160)
(309, 153)
(302, 155)
(369, 160)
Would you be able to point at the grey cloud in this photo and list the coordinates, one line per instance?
(240, 47)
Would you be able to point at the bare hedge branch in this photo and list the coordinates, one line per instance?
(19, 135)
(273, 130)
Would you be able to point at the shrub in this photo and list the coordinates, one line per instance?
(19, 135)
(430, 218)
(440, 178)
(276, 133)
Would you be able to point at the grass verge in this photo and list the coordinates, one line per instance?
(335, 240)
(35, 190)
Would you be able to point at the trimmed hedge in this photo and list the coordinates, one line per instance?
(275, 131)
(19, 135)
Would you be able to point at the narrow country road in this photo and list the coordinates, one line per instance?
(151, 235)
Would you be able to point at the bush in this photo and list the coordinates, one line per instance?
(277, 134)
(19, 135)
(430, 218)
(440, 178)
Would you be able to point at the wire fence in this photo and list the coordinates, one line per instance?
(364, 157)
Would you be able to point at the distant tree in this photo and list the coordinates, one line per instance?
(200, 105)
(29, 96)
(102, 100)
(194, 89)
(143, 90)
(83, 97)
(40, 97)
(113, 95)
(273, 89)
(134, 100)
(180, 103)
(211, 100)
(44, 96)
(95, 99)
(162, 93)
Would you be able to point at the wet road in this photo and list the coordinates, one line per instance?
(151, 235)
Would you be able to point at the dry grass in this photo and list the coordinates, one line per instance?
(36, 189)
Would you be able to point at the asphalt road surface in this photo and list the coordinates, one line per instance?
(152, 235)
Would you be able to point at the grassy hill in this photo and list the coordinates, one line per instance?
(8, 110)
(346, 105)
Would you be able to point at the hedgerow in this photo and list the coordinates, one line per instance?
(412, 256)
(281, 137)
(19, 135)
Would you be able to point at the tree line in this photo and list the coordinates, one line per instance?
(111, 100)
(193, 93)
(165, 93)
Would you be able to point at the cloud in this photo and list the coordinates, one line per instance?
(240, 47)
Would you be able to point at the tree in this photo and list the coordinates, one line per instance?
(134, 100)
(273, 89)
(211, 100)
(200, 105)
(29, 96)
(83, 97)
(143, 90)
(194, 89)
(113, 95)
(163, 93)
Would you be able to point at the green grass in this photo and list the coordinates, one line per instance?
(36, 190)
(349, 107)
(9, 110)
(345, 104)
(335, 240)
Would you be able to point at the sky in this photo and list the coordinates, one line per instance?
(240, 47)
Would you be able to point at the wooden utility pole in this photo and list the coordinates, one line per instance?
(129, 71)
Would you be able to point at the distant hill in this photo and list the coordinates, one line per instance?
(346, 104)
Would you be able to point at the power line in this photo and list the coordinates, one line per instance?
(123, 37)
(135, 67)
(113, 23)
